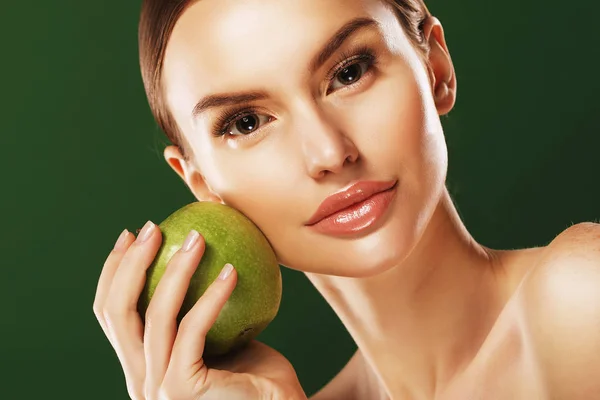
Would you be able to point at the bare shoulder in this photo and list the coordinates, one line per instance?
(560, 302)
(573, 257)
(578, 239)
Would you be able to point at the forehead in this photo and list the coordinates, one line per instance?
(233, 45)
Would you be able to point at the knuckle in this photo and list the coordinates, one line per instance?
(135, 394)
(167, 393)
(189, 323)
(185, 324)
(126, 259)
(174, 266)
(98, 312)
(150, 318)
(110, 259)
(114, 258)
(216, 292)
(155, 312)
(112, 313)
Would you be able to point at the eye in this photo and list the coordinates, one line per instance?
(247, 124)
(350, 74)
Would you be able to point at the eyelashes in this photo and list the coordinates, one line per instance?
(347, 59)
(228, 120)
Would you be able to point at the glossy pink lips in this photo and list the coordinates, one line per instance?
(354, 209)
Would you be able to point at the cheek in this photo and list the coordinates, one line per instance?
(392, 121)
(262, 184)
(411, 128)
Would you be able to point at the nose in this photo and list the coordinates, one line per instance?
(325, 146)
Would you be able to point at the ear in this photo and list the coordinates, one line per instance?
(190, 175)
(439, 64)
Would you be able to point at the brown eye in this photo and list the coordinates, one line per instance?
(247, 124)
(350, 74)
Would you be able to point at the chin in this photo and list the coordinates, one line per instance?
(370, 268)
(360, 262)
(376, 256)
(364, 257)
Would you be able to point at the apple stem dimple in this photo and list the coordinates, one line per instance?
(245, 331)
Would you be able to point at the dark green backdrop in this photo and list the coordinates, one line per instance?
(82, 159)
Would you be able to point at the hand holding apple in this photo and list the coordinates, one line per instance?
(164, 358)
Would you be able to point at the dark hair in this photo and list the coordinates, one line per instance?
(157, 20)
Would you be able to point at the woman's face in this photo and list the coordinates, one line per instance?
(308, 136)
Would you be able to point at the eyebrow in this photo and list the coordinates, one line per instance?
(332, 45)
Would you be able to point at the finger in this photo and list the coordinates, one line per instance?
(107, 274)
(189, 344)
(130, 277)
(120, 311)
(161, 316)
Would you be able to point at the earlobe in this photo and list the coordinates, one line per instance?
(444, 97)
(192, 178)
(441, 91)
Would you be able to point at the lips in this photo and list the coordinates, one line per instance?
(345, 198)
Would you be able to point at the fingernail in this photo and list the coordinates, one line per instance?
(225, 272)
(121, 240)
(191, 240)
(146, 232)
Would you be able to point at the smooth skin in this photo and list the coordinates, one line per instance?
(435, 315)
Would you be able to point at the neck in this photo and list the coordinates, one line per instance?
(421, 323)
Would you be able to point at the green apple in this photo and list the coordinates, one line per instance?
(230, 237)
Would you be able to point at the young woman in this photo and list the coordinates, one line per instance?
(274, 106)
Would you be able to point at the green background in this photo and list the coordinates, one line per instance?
(82, 160)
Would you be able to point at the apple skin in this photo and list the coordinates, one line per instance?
(230, 237)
